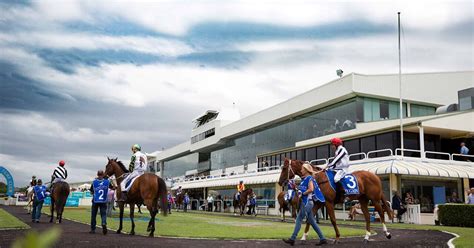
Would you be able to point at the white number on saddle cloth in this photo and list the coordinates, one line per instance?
(350, 178)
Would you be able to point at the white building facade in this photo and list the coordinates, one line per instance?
(363, 110)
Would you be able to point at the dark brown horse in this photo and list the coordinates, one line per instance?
(59, 194)
(179, 201)
(146, 189)
(244, 196)
(291, 206)
(370, 188)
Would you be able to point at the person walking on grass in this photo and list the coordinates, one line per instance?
(110, 200)
(307, 186)
(99, 190)
(39, 192)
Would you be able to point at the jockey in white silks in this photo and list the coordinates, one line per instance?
(137, 167)
(340, 164)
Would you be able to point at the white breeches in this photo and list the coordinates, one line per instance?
(340, 174)
(130, 176)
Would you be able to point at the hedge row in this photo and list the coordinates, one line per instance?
(456, 215)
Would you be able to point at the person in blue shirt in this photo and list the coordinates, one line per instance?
(305, 190)
(186, 202)
(39, 192)
(464, 151)
(99, 190)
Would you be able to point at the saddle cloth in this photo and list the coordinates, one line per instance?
(129, 183)
(349, 183)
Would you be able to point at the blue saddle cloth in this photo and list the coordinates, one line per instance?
(317, 194)
(349, 183)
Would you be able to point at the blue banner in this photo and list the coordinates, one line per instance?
(70, 202)
(9, 178)
(77, 194)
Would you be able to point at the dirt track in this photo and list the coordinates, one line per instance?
(76, 235)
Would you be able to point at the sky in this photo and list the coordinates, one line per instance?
(83, 80)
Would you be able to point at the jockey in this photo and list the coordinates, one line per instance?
(341, 160)
(33, 181)
(240, 189)
(179, 191)
(59, 174)
(137, 167)
(291, 189)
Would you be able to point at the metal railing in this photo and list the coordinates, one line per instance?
(316, 161)
(465, 157)
(438, 153)
(380, 151)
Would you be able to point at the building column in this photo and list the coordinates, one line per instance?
(465, 186)
(422, 141)
(394, 186)
(161, 164)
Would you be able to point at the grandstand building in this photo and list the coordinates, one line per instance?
(361, 109)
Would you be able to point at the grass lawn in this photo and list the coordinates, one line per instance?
(466, 234)
(8, 221)
(206, 226)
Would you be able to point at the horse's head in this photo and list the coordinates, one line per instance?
(110, 167)
(288, 171)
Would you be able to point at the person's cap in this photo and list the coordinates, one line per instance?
(62, 163)
(308, 167)
(336, 141)
(100, 173)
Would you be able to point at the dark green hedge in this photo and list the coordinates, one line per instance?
(456, 215)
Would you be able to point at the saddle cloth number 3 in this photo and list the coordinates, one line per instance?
(350, 181)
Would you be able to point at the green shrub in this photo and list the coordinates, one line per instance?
(456, 215)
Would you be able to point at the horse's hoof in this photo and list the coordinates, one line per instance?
(336, 241)
(118, 232)
(151, 235)
(132, 233)
(366, 241)
(389, 236)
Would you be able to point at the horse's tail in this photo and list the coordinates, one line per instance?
(387, 208)
(163, 194)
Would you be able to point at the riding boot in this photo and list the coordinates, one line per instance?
(123, 197)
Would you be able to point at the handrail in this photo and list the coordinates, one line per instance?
(379, 151)
(439, 153)
(406, 150)
(358, 154)
(460, 155)
(316, 160)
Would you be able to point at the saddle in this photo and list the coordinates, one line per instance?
(348, 182)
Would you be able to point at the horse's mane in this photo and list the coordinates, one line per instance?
(122, 166)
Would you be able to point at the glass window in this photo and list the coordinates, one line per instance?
(179, 166)
(300, 154)
(375, 109)
(384, 113)
(310, 153)
(322, 151)
(367, 144)
(352, 147)
(293, 155)
(419, 110)
(385, 141)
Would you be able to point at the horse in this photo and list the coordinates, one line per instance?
(291, 206)
(370, 188)
(243, 200)
(147, 188)
(179, 201)
(59, 194)
(29, 197)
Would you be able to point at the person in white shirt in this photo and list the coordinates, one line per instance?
(340, 164)
(137, 167)
(210, 201)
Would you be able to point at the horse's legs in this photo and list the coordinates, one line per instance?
(364, 206)
(332, 216)
(379, 209)
(132, 213)
(52, 211)
(59, 214)
(121, 206)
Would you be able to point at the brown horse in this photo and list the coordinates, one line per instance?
(291, 206)
(370, 188)
(179, 201)
(147, 189)
(243, 201)
(59, 194)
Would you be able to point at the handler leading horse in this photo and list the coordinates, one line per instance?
(370, 188)
(147, 189)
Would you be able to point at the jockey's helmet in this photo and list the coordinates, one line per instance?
(336, 141)
(62, 163)
(34, 177)
(137, 147)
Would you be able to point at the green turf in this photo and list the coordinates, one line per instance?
(466, 235)
(199, 225)
(8, 221)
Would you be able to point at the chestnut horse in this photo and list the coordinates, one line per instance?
(59, 194)
(147, 189)
(179, 201)
(291, 206)
(244, 196)
(370, 188)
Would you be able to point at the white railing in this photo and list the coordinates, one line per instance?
(365, 156)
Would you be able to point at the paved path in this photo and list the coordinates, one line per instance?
(76, 235)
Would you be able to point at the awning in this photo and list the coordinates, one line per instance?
(417, 167)
(270, 177)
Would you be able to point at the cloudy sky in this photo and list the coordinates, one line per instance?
(82, 80)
